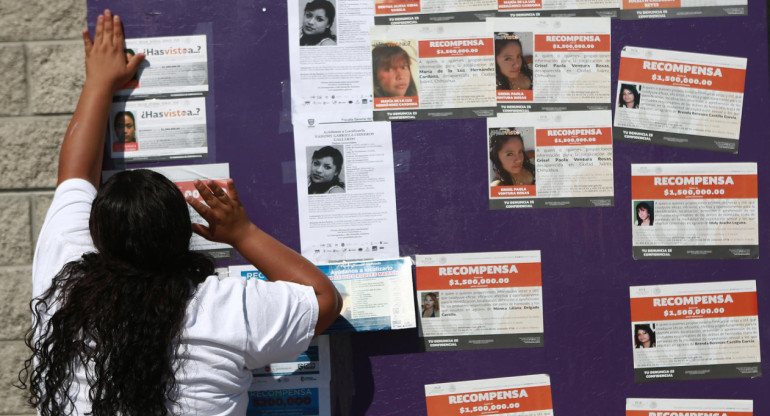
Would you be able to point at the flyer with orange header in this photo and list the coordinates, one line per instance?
(513, 396)
(173, 66)
(477, 301)
(695, 211)
(560, 8)
(183, 177)
(405, 12)
(432, 71)
(552, 64)
(679, 99)
(695, 331)
(550, 160)
(663, 9)
(164, 129)
(688, 407)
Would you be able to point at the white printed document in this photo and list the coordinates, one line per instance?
(662, 9)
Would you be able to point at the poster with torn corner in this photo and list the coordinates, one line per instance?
(694, 211)
(694, 407)
(346, 192)
(331, 81)
(173, 66)
(183, 177)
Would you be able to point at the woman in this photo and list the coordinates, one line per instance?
(510, 161)
(511, 70)
(629, 96)
(430, 305)
(126, 319)
(392, 72)
(325, 171)
(125, 127)
(645, 336)
(644, 214)
(317, 23)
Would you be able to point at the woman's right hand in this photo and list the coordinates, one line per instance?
(106, 57)
(227, 218)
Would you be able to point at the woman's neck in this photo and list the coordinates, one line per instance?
(519, 82)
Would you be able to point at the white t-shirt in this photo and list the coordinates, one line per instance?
(232, 325)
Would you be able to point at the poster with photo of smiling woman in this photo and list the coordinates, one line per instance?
(325, 172)
(317, 27)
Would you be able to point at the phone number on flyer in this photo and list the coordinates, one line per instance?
(676, 192)
(488, 281)
(681, 80)
(684, 312)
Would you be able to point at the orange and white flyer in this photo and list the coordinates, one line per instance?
(668, 9)
(552, 64)
(550, 160)
(695, 331)
(477, 301)
(405, 12)
(680, 99)
(172, 66)
(162, 129)
(695, 211)
(432, 71)
(183, 177)
(513, 396)
(688, 407)
(561, 8)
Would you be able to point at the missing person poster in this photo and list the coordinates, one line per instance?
(376, 295)
(404, 12)
(694, 211)
(689, 407)
(164, 129)
(432, 71)
(183, 177)
(480, 300)
(552, 64)
(680, 99)
(174, 66)
(695, 331)
(662, 9)
(550, 160)
(346, 192)
(291, 398)
(329, 59)
(519, 396)
(557, 8)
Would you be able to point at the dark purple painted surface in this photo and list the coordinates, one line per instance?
(442, 207)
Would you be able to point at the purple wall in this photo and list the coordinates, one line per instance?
(443, 208)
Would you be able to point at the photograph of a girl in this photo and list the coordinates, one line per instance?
(392, 72)
(430, 305)
(324, 172)
(125, 127)
(511, 68)
(511, 162)
(644, 336)
(644, 214)
(629, 96)
(318, 24)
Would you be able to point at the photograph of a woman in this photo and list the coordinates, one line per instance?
(392, 72)
(430, 305)
(317, 24)
(644, 336)
(644, 214)
(324, 172)
(510, 161)
(629, 96)
(511, 69)
(125, 127)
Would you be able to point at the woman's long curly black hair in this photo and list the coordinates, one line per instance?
(118, 312)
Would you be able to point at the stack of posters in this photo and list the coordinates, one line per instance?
(695, 211)
(161, 114)
(480, 300)
(695, 331)
(523, 395)
(299, 387)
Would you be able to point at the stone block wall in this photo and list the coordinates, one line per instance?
(41, 73)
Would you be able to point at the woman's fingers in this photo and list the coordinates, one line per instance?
(108, 27)
(87, 43)
(99, 31)
(232, 192)
(218, 192)
(117, 32)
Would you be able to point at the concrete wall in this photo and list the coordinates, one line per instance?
(41, 73)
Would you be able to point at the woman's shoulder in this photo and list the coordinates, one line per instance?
(336, 189)
(327, 42)
(495, 182)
